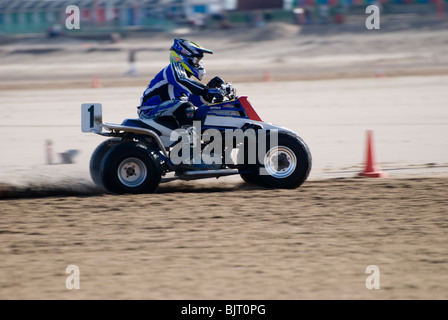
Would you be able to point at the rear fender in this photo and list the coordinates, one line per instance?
(92, 121)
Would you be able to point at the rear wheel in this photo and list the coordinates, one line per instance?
(130, 168)
(97, 158)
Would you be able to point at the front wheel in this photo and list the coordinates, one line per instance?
(130, 168)
(285, 165)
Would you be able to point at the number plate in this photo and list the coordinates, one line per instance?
(91, 117)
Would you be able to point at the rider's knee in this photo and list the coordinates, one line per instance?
(189, 110)
(184, 114)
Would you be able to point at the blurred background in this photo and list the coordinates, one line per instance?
(105, 16)
(35, 31)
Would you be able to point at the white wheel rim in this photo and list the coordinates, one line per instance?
(280, 162)
(132, 172)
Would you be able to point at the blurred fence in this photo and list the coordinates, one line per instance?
(27, 16)
(40, 16)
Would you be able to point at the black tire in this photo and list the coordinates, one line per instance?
(249, 178)
(248, 172)
(131, 168)
(97, 159)
(294, 166)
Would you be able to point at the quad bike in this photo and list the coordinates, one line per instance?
(139, 153)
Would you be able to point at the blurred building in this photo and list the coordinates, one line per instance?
(38, 16)
(33, 16)
(259, 4)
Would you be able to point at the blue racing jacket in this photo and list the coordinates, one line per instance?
(172, 83)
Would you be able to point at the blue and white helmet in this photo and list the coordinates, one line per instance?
(189, 55)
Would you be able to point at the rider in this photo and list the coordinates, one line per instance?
(172, 92)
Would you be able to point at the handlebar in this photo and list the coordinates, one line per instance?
(228, 90)
(220, 90)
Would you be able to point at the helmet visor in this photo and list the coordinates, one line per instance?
(196, 62)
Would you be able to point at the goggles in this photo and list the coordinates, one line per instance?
(196, 62)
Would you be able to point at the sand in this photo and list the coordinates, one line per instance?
(223, 239)
(229, 241)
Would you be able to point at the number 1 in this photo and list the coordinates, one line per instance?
(92, 115)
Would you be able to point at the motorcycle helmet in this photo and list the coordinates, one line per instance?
(189, 55)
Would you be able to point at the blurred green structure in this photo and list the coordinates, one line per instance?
(108, 16)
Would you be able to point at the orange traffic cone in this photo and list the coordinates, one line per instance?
(379, 72)
(372, 169)
(96, 82)
(267, 76)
